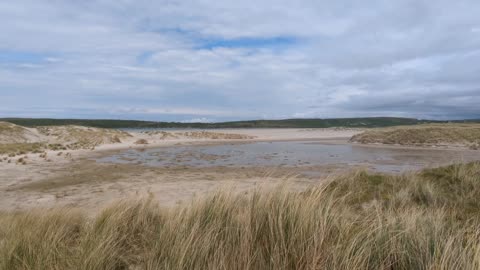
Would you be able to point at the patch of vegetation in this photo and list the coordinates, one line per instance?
(56, 146)
(14, 149)
(13, 139)
(77, 137)
(287, 123)
(11, 133)
(431, 134)
(141, 141)
(213, 135)
(425, 220)
(9, 128)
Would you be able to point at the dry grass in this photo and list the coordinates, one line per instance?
(16, 140)
(13, 134)
(10, 128)
(214, 135)
(14, 149)
(141, 141)
(199, 135)
(77, 137)
(428, 135)
(426, 220)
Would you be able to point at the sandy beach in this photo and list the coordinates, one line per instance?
(73, 178)
(244, 135)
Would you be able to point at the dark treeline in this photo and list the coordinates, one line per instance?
(286, 123)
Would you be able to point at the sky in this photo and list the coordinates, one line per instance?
(207, 61)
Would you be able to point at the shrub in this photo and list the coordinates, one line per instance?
(141, 141)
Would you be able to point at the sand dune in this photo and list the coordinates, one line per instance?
(11, 133)
(431, 135)
(14, 137)
(78, 137)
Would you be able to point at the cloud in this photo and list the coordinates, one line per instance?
(229, 60)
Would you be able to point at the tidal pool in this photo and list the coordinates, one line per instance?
(292, 153)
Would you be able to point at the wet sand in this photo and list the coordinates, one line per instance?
(291, 154)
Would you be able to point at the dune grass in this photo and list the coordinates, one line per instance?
(13, 134)
(424, 220)
(428, 135)
(78, 137)
(21, 148)
(6, 127)
(14, 139)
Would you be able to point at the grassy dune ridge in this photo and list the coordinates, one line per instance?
(18, 140)
(424, 220)
(424, 135)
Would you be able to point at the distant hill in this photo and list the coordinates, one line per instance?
(467, 121)
(286, 123)
(323, 123)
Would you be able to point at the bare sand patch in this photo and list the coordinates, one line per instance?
(85, 183)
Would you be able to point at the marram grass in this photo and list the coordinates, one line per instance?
(425, 220)
(466, 135)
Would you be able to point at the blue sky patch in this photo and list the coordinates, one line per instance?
(273, 42)
(210, 42)
(18, 57)
(144, 57)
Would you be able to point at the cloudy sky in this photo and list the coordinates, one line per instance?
(204, 60)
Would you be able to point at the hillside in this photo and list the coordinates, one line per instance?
(467, 135)
(15, 139)
(79, 137)
(286, 123)
(11, 133)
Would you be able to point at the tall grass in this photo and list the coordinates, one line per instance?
(425, 220)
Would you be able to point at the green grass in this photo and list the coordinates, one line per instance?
(425, 220)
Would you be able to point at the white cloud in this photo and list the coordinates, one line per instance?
(346, 58)
(198, 120)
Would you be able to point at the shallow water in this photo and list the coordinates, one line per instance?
(292, 154)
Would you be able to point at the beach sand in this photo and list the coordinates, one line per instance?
(73, 178)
